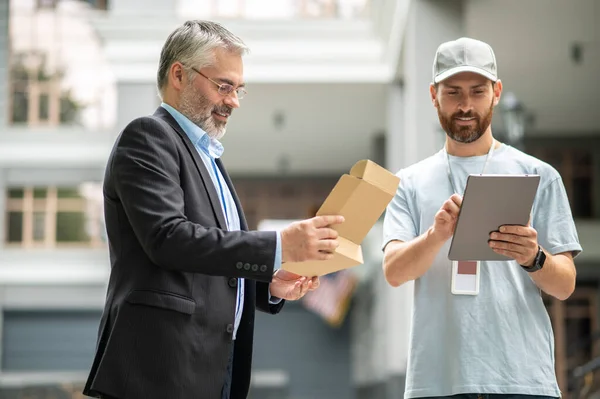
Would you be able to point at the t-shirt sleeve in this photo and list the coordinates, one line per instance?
(399, 222)
(553, 221)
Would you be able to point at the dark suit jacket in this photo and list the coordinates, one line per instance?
(166, 330)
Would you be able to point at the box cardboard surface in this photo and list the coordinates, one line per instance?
(361, 197)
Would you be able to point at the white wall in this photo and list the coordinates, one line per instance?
(417, 133)
(532, 40)
(327, 127)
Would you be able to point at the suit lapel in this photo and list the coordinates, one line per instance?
(215, 202)
(236, 200)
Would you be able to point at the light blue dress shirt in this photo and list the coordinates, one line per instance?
(210, 149)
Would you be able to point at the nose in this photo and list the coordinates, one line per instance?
(232, 100)
(464, 105)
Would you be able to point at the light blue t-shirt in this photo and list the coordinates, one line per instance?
(499, 341)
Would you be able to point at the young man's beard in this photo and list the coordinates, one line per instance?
(465, 134)
(198, 109)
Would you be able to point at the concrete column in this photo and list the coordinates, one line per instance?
(430, 23)
(4, 89)
(4, 64)
(398, 145)
(413, 133)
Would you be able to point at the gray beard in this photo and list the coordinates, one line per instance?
(198, 109)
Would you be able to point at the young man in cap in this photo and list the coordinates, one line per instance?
(499, 341)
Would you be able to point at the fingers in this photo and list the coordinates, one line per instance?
(302, 287)
(457, 199)
(444, 215)
(511, 254)
(314, 283)
(508, 246)
(326, 232)
(523, 231)
(522, 255)
(310, 239)
(508, 238)
(328, 246)
(452, 207)
(324, 256)
(327, 220)
(520, 248)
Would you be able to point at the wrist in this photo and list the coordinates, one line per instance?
(537, 263)
(531, 262)
(434, 237)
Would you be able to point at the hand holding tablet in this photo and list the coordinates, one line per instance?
(491, 203)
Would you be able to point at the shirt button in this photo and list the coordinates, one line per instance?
(233, 282)
(247, 266)
(239, 265)
(254, 268)
(263, 268)
(229, 328)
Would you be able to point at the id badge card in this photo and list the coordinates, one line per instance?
(465, 277)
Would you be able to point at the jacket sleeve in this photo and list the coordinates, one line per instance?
(262, 300)
(145, 171)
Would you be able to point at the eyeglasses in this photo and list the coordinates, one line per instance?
(225, 89)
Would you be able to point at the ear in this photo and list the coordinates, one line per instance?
(497, 92)
(433, 94)
(176, 76)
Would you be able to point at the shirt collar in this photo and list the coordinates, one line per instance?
(199, 137)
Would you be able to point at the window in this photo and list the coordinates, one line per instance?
(51, 217)
(575, 325)
(281, 198)
(37, 98)
(577, 169)
(46, 4)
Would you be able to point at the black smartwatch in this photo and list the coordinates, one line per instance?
(538, 262)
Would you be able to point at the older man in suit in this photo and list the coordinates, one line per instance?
(186, 275)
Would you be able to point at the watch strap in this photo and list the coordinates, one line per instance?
(538, 262)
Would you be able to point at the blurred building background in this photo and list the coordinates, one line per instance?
(330, 82)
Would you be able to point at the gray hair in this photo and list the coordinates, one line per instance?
(193, 44)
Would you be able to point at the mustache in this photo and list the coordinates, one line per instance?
(461, 114)
(225, 110)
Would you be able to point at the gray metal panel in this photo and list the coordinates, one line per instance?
(391, 388)
(49, 341)
(315, 356)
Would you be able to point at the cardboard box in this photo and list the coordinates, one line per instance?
(361, 197)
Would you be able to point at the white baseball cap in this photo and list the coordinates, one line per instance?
(464, 55)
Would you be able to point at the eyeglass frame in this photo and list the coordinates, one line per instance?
(223, 87)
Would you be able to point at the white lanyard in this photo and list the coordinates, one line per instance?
(449, 170)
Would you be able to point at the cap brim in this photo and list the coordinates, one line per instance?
(451, 72)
